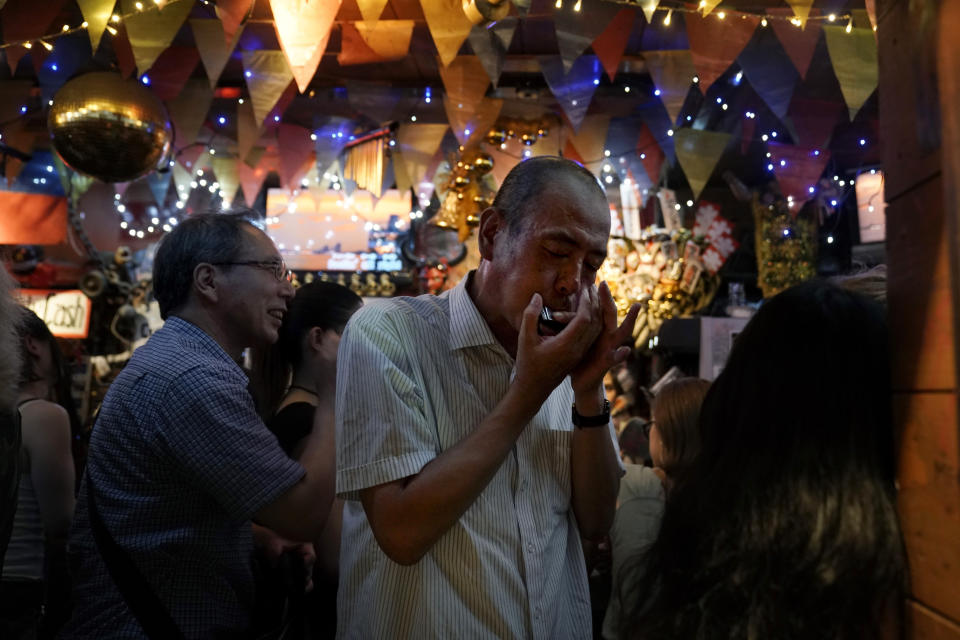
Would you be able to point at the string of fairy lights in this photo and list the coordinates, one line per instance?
(664, 15)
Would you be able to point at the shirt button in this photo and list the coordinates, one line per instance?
(530, 547)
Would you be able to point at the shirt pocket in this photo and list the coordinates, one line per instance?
(554, 455)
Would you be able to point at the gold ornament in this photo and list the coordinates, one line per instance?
(112, 129)
(496, 137)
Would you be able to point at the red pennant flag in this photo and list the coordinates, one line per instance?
(28, 20)
(171, 71)
(124, 52)
(650, 153)
(798, 169)
(715, 43)
(814, 120)
(570, 151)
(798, 43)
(297, 153)
(251, 179)
(610, 45)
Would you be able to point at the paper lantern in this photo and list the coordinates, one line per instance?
(112, 129)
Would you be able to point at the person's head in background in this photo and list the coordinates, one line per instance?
(674, 430)
(785, 526)
(305, 354)
(634, 446)
(871, 283)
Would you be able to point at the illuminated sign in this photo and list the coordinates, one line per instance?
(67, 313)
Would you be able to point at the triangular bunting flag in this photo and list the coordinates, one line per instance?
(672, 73)
(297, 153)
(189, 110)
(650, 154)
(371, 9)
(814, 120)
(121, 188)
(96, 13)
(13, 95)
(171, 71)
(268, 76)
(303, 28)
(225, 169)
(578, 24)
(470, 123)
(152, 30)
(376, 101)
(801, 9)
(247, 130)
(769, 71)
(17, 136)
(574, 90)
(232, 13)
(26, 20)
(698, 153)
(465, 81)
(251, 179)
(124, 52)
(361, 43)
(491, 45)
(798, 169)
(610, 45)
(589, 141)
(448, 26)
(649, 7)
(523, 6)
(716, 43)
(214, 51)
(416, 146)
(799, 44)
(181, 181)
(13, 55)
(871, 7)
(570, 152)
(71, 54)
(706, 6)
(622, 136)
(854, 57)
(159, 182)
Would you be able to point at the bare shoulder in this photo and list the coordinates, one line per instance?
(43, 416)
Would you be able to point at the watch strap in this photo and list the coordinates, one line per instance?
(591, 421)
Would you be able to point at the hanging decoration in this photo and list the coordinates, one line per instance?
(108, 128)
(769, 71)
(490, 44)
(799, 44)
(371, 10)
(297, 154)
(214, 51)
(801, 9)
(588, 141)
(573, 90)
(577, 25)
(483, 12)
(798, 170)
(189, 109)
(361, 43)
(610, 45)
(786, 246)
(854, 56)
(232, 14)
(715, 43)
(469, 189)
(268, 76)
(448, 25)
(416, 146)
(172, 70)
(303, 28)
(649, 7)
(650, 153)
(672, 73)
(152, 30)
(698, 152)
(96, 13)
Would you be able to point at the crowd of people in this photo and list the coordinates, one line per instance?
(432, 467)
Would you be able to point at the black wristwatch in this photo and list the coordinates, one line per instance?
(591, 421)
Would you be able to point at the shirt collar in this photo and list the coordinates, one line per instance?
(467, 326)
(202, 338)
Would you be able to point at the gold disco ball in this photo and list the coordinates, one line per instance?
(112, 129)
(483, 163)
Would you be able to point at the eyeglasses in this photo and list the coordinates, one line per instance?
(647, 427)
(278, 267)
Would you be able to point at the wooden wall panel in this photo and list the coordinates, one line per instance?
(908, 93)
(929, 625)
(929, 499)
(919, 295)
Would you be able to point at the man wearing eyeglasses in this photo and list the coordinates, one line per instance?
(179, 461)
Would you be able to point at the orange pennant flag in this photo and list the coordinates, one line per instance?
(799, 44)
(96, 13)
(268, 76)
(610, 45)
(672, 73)
(385, 40)
(225, 168)
(232, 13)
(40, 219)
(716, 43)
(248, 131)
(303, 28)
(214, 51)
(251, 179)
(448, 25)
(152, 30)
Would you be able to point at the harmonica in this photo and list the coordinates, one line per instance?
(547, 321)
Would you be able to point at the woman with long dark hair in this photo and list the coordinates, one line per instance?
(297, 389)
(35, 581)
(785, 526)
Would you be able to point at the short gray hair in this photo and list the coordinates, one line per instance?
(202, 237)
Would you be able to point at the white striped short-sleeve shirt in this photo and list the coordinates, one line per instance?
(415, 376)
